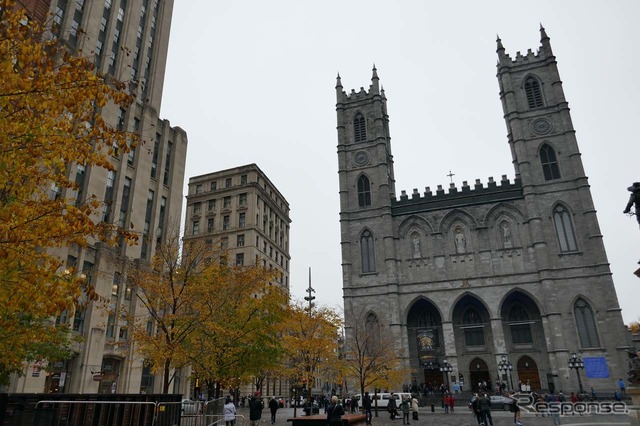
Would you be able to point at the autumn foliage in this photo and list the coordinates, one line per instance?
(50, 122)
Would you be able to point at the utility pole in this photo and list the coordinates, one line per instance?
(310, 298)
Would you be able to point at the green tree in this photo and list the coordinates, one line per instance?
(50, 105)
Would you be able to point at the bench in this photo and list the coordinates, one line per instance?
(321, 420)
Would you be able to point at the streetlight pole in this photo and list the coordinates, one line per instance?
(445, 369)
(505, 365)
(577, 363)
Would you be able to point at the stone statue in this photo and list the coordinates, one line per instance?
(416, 246)
(461, 243)
(634, 199)
(506, 236)
(634, 372)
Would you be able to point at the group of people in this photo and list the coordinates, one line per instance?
(481, 407)
(255, 410)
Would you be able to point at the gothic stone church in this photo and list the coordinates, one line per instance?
(487, 270)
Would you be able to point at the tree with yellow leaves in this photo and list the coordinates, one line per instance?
(224, 321)
(50, 104)
(369, 353)
(311, 342)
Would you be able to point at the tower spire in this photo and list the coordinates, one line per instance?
(375, 87)
(339, 92)
(502, 57)
(544, 41)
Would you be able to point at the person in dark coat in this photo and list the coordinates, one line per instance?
(273, 407)
(255, 409)
(366, 406)
(335, 412)
(392, 407)
(634, 199)
(484, 403)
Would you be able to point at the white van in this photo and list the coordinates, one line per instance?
(383, 399)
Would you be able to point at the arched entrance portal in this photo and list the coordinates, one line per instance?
(528, 373)
(478, 374)
(424, 329)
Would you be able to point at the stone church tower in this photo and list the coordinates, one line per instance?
(488, 273)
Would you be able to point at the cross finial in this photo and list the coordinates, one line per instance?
(451, 175)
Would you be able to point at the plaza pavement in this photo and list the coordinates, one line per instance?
(461, 417)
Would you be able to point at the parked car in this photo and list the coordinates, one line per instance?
(188, 407)
(499, 401)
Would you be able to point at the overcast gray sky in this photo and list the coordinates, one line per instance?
(254, 82)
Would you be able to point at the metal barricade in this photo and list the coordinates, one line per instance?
(80, 413)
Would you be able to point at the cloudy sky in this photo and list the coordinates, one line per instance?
(253, 81)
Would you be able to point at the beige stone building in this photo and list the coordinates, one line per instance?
(242, 211)
(490, 274)
(127, 39)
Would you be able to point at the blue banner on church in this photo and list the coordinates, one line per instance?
(595, 367)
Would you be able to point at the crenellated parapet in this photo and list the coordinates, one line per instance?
(455, 197)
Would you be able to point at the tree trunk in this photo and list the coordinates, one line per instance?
(167, 370)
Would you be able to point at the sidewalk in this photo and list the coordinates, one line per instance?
(461, 417)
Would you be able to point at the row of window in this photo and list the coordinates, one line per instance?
(562, 222)
(226, 203)
(213, 185)
(532, 91)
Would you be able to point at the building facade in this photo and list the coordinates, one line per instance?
(486, 275)
(127, 39)
(242, 212)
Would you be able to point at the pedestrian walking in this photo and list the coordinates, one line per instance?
(485, 410)
(273, 407)
(366, 406)
(255, 409)
(622, 387)
(392, 407)
(335, 412)
(229, 412)
(405, 407)
(414, 407)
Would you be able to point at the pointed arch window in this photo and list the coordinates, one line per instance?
(520, 325)
(473, 328)
(359, 128)
(564, 229)
(367, 250)
(364, 192)
(549, 162)
(533, 92)
(586, 324)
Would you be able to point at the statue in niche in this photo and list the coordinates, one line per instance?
(506, 235)
(461, 242)
(416, 246)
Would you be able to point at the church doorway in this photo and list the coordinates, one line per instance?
(479, 375)
(528, 373)
(433, 378)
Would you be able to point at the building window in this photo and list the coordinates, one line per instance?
(225, 222)
(239, 259)
(111, 322)
(242, 220)
(586, 325)
(197, 208)
(224, 243)
(549, 163)
(533, 92)
(242, 199)
(226, 203)
(198, 188)
(364, 192)
(564, 229)
(520, 325)
(243, 179)
(211, 205)
(196, 227)
(367, 250)
(359, 128)
(214, 185)
(227, 183)
(240, 240)
(210, 224)
(473, 328)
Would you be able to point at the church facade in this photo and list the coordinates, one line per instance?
(488, 275)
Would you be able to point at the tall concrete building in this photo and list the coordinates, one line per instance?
(127, 39)
(486, 275)
(242, 212)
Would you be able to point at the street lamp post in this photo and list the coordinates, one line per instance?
(577, 363)
(505, 365)
(445, 369)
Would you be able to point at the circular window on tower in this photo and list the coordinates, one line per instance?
(541, 126)
(361, 158)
